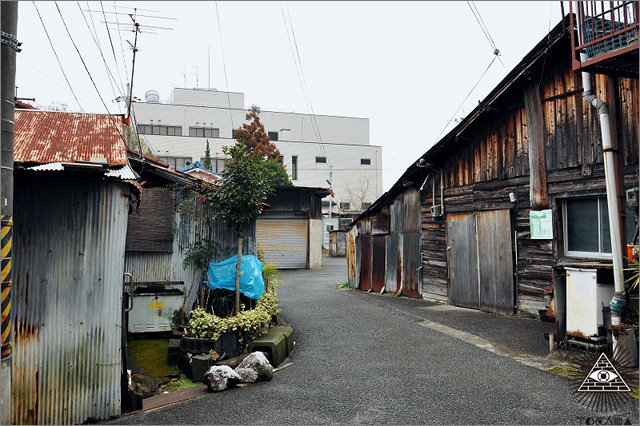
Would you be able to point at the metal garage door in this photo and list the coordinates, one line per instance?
(284, 241)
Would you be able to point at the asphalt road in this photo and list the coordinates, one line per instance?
(358, 362)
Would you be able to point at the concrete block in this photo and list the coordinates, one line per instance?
(273, 344)
(200, 364)
(287, 332)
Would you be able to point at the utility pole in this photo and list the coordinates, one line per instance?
(10, 45)
(133, 66)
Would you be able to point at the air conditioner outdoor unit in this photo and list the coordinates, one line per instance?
(436, 210)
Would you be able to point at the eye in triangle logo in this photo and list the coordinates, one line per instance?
(603, 377)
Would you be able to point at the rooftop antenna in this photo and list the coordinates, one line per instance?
(136, 28)
(197, 81)
(209, 71)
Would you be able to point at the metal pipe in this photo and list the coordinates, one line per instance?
(610, 180)
(441, 194)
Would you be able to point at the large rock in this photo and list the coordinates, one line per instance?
(221, 377)
(255, 368)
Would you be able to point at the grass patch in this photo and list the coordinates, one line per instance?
(634, 393)
(182, 382)
(344, 285)
(152, 355)
(568, 372)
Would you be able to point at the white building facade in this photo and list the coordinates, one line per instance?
(177, 131)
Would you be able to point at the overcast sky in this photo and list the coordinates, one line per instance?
(407, 66)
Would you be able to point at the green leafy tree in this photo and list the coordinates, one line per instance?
(277, 173)
(207, 157)
(245, 186)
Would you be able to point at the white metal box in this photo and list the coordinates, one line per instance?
(154, 312)
(585, 300)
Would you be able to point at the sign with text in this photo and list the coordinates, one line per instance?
(541, 224)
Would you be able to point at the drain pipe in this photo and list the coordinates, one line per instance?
(617, 303)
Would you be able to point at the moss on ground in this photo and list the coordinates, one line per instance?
(152, 355)
(567, 372)
(182, 382)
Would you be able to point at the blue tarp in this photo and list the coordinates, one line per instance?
(223, 275)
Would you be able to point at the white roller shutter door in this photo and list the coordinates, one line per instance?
(284, 241)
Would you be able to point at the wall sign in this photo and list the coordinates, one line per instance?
(541, 224)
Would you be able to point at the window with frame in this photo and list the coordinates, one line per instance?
(217, 164)
(294, 167)
(345, 206)
(586, 227)
(321, 159)
(273, 136)
(365, 161)
(159, 129)
(366, 206)
(204, 132)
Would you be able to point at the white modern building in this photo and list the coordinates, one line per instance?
(177, 132)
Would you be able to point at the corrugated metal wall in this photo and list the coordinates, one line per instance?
(69, 257)
(191, 226)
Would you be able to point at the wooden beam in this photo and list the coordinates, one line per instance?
(537, 166)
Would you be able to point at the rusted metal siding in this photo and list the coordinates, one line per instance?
(365, 262)
(47, 137)
(378, 262)
(69, 258)
(190, 226)
(351, 250)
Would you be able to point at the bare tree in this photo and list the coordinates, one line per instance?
(358, 191)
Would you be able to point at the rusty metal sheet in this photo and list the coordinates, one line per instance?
(391, 270)
(351, 257)
(365, 262)
(69, 256)
(412, 211)
(378, 262)
(43, 137)
(411, 264)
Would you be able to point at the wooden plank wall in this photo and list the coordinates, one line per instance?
(491, 160)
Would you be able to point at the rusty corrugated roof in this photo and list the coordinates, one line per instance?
(44, 137)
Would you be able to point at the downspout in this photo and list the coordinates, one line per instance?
(617, 303)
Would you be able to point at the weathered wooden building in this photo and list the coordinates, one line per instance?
(494, 212)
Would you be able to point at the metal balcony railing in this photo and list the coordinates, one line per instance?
(605, 30)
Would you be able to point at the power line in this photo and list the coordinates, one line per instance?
(124, 61)
(224, 66)
(485, 29)
(57, 57)
(110, 76)
(303, 82)
(467, 97)
(88, 72)
(113, 50)
(313, 115)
